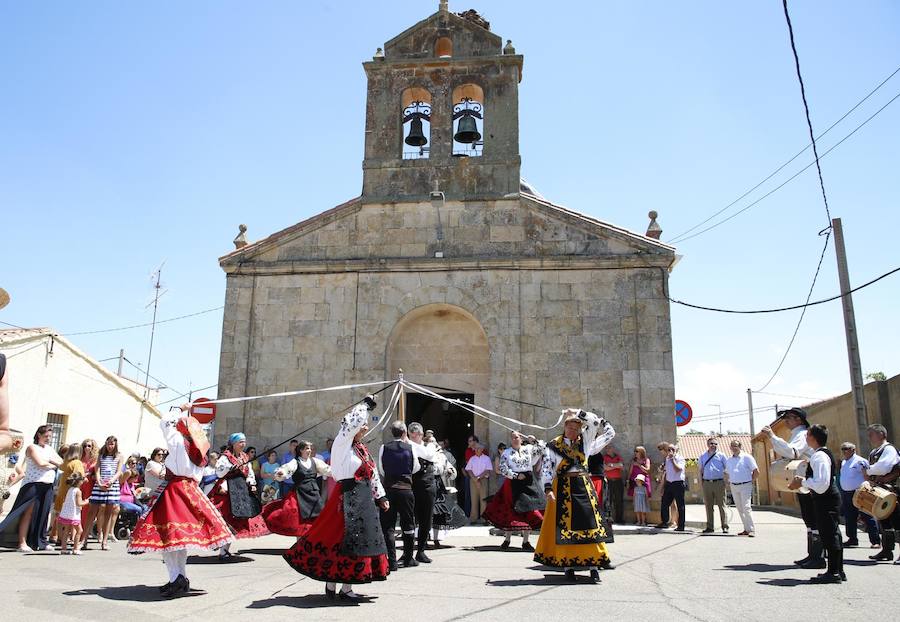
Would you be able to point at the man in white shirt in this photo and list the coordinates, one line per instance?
(826, 500)
(796, 448)
(741, 471)
(884, 471)
(479, 469)
(853, 474)
(424, 487)
(674, 488)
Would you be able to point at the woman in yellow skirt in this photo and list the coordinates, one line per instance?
(574, 532)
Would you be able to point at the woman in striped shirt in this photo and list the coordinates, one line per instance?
(104, 506)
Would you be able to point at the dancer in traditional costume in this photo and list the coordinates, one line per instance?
(796, 448)
(448, 514)
(518, 506)
(573, 533)
(294, 514)
(234, 494)
(182, 518)
(884, 472)
(424, 486)
(345, 544)
(397, 462)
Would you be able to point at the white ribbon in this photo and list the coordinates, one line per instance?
(474, 409)
(388, 412)
(231, 400)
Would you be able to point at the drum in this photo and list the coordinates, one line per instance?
(782, 472)
(874, 501)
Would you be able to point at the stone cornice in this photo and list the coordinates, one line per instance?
(447, 264)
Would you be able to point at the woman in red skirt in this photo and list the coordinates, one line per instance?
(294, 514)
(345, 543)
(517, 508)
(234, 493)
(181, 518)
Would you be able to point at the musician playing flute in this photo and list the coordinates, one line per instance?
(574, 533)
(884, 471)
(797, 448)
(821, 479)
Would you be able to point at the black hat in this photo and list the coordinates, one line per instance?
(797, 412)
(370, 402)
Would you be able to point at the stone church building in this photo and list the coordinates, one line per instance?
(450, 267)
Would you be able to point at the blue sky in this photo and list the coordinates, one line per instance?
(137, 133)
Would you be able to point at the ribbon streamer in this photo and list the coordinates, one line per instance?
(231, 400)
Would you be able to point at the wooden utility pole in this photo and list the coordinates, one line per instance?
(750, 410)
(856, 376)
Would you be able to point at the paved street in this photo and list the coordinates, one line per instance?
(660, 575)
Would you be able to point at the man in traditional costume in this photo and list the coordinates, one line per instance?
(234, 493)
(574, 531)
(345, 544)
(821, 480)
(181, 518)
(397, 463)
(884, 472)
(518, 506)
(294, 514)
(424, 488)
(796, 448)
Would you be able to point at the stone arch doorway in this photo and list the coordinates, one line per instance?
(443, 345)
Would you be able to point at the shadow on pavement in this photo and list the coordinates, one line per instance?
(262, 551)
(548, 580)
(860, 562)
(135, 593)
(784, 582)
(761, 567)
(214, 559)
(310, 601)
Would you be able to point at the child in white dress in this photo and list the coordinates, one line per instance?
(70, 515)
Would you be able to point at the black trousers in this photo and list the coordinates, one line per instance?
(807, 511)
(424, 497)
(402, 505)
(673, 491)
(851, 515)
(826, 509)
(617, 494)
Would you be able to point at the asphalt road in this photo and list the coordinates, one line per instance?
(660, 575)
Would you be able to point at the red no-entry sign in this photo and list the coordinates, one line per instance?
(202, 412)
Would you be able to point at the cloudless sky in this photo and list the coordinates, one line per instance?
(137, 133)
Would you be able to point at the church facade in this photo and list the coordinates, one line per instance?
(450, 267)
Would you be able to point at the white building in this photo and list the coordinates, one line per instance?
(53, 382)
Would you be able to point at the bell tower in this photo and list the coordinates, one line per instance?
(442, 113)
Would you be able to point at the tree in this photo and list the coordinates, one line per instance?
(877, 376)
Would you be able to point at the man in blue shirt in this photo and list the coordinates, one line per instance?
(853, 474)
(712, 472)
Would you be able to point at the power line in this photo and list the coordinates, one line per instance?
(681, 235)
(178, 397)
(162, 382)
(171, 319)
(799, 397)
(791, 308)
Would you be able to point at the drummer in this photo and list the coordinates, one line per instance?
(796, 448)
(884, 471)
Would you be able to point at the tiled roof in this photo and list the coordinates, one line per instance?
(694, 445)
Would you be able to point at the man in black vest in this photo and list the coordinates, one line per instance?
(424, 487)
(826, 500)
(397, 464)
(884, 472)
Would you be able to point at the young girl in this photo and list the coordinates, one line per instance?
(641, 504)
(70, 515)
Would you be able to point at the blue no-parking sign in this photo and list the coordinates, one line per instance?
(683, 413)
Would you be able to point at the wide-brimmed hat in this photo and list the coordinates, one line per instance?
(640, 478)
(4, 298)
(572, 414)
(797, 412)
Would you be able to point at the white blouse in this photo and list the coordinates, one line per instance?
(594, 441)
(522, 460)
(40, 474)
(286, 470)
(344, 461)
(795, 448)
(177, 461)
(820, 481)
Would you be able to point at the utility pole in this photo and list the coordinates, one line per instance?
(856, 377)
(750, 409)
(121, 361)
(719, 406)
(157, 286)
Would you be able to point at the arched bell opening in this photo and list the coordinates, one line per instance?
(468, 120)
(443, 47)
(416, 123)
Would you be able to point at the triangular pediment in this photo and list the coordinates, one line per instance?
(521, 227)
(469, 38)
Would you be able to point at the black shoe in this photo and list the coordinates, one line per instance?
(526, 546)
(163, 588)
(570, 576)
(331, 594)
(504, 545)
(392, 565)
(680, 529)
(661, 526)
(805, 560)
(595, 576)
(725, 529)
(708, 530)
(409, 562)
(606, 564)
(848, 544)
(843, 576)
(814, 564)
(179, 586)
(883, 556)
(826, 578)
(422, 557)
(352, 597)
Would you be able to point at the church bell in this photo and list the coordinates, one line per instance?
(467, 130)
(416, 137)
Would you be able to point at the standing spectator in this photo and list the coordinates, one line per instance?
(104, 506)
(741, 471)
(70, 514)
(471, 442)
(267, 472)
(90, 449)
(71, 464)
(663, 449)
(640, 465)
(853, 474)
(614, 470)
(712, 475)
(673, 490)
(479, 467)
(255, 465)
(35, 498)
(498, 478)
(209, 477)
(326, 455)
(155, 472)
(641, 494)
